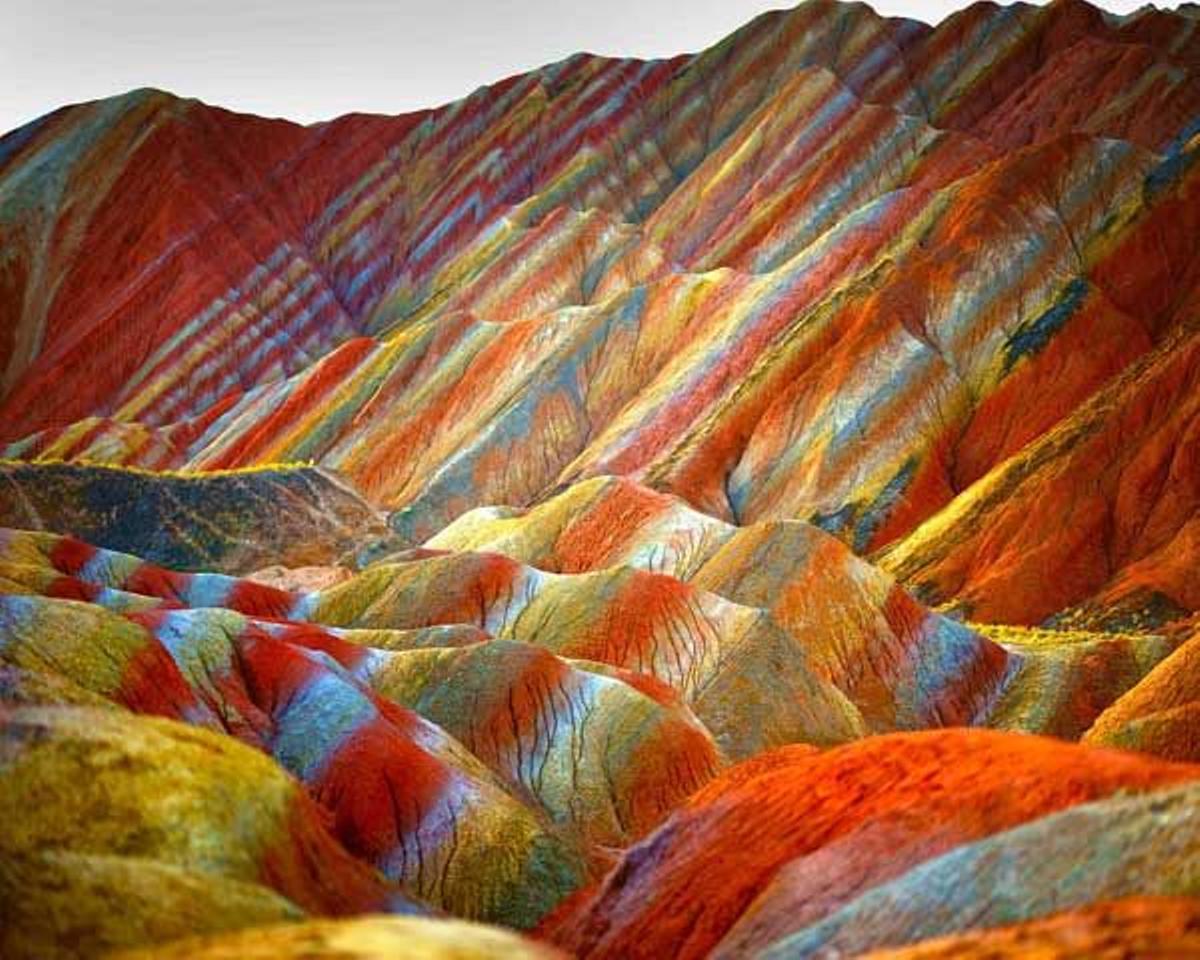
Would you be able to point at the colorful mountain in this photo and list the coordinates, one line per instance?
(745, 504)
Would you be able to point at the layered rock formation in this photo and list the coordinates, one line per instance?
(743, 504)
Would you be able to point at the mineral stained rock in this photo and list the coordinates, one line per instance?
(739, 504)
(1111, 930)
(791, 836)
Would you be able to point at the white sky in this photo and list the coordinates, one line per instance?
(313, 59)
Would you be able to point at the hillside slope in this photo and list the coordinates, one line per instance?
(740, 504)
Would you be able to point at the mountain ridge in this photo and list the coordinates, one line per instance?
(696, 506)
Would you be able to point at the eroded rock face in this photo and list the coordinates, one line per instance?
(67, 904)
(900, 664)
(227, 523)
(301, 579)
(1161, 714)
(1106, 475)
(353, 750)
(1094, 852)
(751, 682)
(81, 782)
(1134, 926)
(789, 838)
(815, 272)
(603, 505)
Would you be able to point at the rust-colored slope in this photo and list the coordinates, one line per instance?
(503, 472)
(1161, 715)
(1111, 485)
(682, 890)
(1167, 927)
